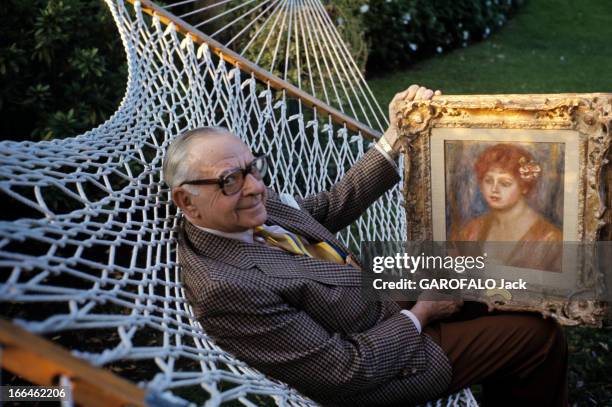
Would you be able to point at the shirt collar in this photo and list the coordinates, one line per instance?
(246, 236)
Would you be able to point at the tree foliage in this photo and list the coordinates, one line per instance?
(62, 68)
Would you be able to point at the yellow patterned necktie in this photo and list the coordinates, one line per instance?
(298, 245)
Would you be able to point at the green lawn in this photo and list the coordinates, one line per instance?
(549, 46)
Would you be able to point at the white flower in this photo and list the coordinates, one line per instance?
(487, 31)
(388, 1)
(413, 46)
(340, 21)
(439, 49)
(460, 25)
(562, 58)
(364, 8)
(407, 18)
(466, 34)
(529, 170)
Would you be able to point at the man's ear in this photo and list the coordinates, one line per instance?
(184, 200)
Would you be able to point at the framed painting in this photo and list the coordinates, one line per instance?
(529, 179)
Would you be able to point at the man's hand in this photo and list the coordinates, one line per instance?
(414, 92)
(429, 310)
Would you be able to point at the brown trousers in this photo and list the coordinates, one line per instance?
(519, 358)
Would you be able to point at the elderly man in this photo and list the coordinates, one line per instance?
(270, 282)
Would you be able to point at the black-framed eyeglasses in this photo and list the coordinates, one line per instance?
(231, 181)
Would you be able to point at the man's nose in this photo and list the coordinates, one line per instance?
(495, 186)
(252, 186)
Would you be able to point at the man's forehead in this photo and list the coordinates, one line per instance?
(219, 153)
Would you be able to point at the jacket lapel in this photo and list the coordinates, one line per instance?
(224, 250)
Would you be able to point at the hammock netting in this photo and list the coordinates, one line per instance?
(87, 237)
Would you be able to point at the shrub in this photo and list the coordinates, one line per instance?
(62, 68)
(402, 31)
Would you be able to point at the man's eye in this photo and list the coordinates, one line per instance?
(230, 179)
(506, 184)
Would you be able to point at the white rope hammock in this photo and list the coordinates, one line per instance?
(88, 249)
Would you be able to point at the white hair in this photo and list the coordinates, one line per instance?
(177, 167)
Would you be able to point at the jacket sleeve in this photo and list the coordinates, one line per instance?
(262, 329)
(365, 182)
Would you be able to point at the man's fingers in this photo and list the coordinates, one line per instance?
(398, 96)
(420, 92)
(411, 92)
(414, 92)
(406, 94)
(438, 92)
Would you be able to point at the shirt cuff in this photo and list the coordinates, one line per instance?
(414, 319)
(387, 156)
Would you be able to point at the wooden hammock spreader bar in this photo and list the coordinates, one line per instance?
(42, 362)
(239, 61)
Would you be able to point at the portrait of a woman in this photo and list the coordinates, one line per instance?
(506, 175)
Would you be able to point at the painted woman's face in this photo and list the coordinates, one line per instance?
(500, 189)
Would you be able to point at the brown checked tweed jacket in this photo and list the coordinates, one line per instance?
(304, 321)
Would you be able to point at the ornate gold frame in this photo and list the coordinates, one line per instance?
(588, 114)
